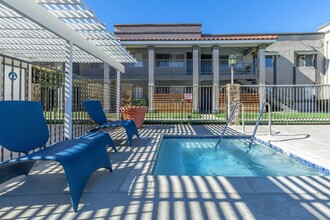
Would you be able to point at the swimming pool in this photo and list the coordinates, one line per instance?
(199, 157)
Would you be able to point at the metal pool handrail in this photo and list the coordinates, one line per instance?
(229, 119)
(258, 122)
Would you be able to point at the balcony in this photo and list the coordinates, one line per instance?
(241, 67)
(185, 67)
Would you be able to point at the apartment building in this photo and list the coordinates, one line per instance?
(182, 55)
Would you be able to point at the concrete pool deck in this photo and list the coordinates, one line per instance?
(131, 192)
(310, 142)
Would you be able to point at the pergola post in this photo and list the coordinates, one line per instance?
(68, 90)
(2, 67)
(106, 87)
(118, 96)
(29, 75)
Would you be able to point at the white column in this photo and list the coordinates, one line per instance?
(327, 67)
(216, 78)
(196, 78)
(68, 91)
(118, 96)
(106, 87)
(29, 69)
(262, 65)
(262, 73)
(2, 96)
(151, 77)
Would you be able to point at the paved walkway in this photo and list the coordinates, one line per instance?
(132, 192)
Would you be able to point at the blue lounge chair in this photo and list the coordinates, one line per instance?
(23, 128)
(95, 111)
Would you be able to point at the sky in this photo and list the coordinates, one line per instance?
(218, 16)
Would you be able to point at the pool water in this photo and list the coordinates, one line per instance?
(199, 157)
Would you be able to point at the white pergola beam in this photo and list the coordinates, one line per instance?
(27, 34)
(32, 10)
(64, 2)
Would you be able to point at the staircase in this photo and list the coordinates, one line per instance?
(276, 102)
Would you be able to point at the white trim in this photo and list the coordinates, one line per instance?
(324, 28)
(202, 42)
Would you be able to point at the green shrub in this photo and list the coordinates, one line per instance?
(139, 102)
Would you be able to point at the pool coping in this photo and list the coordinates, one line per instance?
(258, 140)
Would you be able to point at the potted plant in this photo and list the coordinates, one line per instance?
(136, 112)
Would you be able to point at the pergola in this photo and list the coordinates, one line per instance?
(59, 31)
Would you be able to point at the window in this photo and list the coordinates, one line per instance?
(97, 65)
(306, 60)
(139, 59)
(269, 61)
(75, 68)
(170, 60)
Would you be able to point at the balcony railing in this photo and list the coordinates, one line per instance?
(189, 67)
(138, 64)
(163, 63)
(205, 67)
(247, 67)
(186, 65)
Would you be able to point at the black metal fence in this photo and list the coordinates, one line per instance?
(288, 104)
(21, 80)
(188, 104)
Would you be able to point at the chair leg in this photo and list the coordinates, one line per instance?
(129, 135)
(79, 169)
(111, 144)
(137, 134)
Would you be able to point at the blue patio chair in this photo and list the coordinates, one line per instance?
(95, 111)
(23, 128)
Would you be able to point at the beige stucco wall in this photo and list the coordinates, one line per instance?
(287, 48)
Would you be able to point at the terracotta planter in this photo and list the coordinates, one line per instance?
(134, 113)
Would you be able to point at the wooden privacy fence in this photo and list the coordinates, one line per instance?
(251, 102)
(177, 103)
(172, 103)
